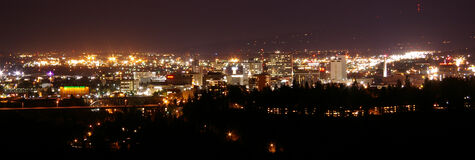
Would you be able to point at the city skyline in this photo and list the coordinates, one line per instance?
(242, 79)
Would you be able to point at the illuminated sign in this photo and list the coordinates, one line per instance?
(66, 91)
(170, 76)
(74, 87)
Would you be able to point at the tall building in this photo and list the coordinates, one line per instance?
(195, 65)
(338, 68)
(252, 67)
(385, 72)
(280, 64)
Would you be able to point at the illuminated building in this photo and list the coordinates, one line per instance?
(127, 86)
(447, 70)
(142, 78)
(235, 74)
(177, 83)
(178, 79)
(77, 91)
(215, 82)
(280, 64)
(196, 78)
(338, 68)
(252, 67)
(195, 66)
(308, 77)
(385, 72)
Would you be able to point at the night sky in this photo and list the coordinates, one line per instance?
(178, 24)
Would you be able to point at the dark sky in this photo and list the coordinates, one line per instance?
(179, 24)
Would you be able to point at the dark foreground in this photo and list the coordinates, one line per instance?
(158, 132)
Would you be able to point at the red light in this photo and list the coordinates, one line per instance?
(170, 76)
(322, 69)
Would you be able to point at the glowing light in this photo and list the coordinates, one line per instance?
(132, 58)
(50, 73)
(234, 60)
(272, 148)
(459, 61)
(91, 57)
(472, 67)
(433, 70)
(409, 55)
(234, 69)
(113, 59)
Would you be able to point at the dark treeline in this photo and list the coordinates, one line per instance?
(453, 93)
(300, 136)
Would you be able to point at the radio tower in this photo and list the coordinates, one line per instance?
(419, 7)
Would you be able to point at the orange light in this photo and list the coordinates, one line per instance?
(170, 76)
(322, 69)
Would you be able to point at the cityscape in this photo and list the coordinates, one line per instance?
(287, 92)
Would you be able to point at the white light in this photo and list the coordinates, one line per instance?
(234, 70)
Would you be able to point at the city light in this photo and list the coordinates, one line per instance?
(238, 80)
(112, 59)
(234, 60)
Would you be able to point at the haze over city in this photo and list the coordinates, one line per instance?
(226, 26)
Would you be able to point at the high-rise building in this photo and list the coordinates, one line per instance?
(385, 72)
(338, 68)
(195, 65)
(252, 67)
(280, 64)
